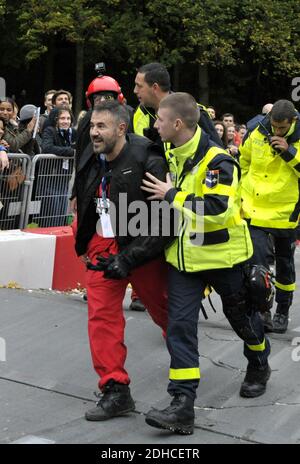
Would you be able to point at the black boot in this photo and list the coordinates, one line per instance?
(115, 401)
(255, 381)
(179, 417)
(281, 318)
(137, 305)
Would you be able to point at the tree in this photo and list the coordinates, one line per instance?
(2, 9)
(244, 49)
(271, 32)
(79, 22)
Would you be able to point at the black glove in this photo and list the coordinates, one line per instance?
(101, 265)
(117, 268)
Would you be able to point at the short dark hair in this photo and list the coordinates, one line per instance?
(156, 73)
(62, 110)
(283, 109)
(61, 92)
(116, 109)
(49, 92)
(183, 106)
(227, 115)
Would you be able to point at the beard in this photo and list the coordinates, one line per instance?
(104, 146)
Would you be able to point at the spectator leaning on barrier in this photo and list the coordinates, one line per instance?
(16, 138)
(110, 177)
(58, 139)
(270, 163)
(211, 248)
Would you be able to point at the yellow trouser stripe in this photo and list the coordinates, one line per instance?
(287, 288)
(260, 347)
(184, 374)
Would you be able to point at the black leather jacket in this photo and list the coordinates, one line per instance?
(124, 174)
(83, 138)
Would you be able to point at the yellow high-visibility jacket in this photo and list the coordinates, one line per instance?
(206, 194)
(270, 181)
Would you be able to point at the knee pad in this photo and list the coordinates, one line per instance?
(259, 282)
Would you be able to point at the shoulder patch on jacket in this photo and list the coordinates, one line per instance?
(212, 178)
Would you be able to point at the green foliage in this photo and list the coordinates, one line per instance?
(222, 33)
(2, 8)
(250, 42)
(190, 30)
(76, 21)
(270, 31)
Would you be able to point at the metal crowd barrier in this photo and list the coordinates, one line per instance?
(35, 191)
(14, 185)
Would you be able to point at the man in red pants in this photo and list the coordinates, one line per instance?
(113, 250)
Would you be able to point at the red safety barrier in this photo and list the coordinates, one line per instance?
(69, 271)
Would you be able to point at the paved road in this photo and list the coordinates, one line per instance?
(47, 381)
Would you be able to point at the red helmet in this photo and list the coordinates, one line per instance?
(103, 84)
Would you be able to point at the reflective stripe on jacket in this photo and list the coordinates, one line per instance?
(270, 181)
(141, 120)
(211, 232)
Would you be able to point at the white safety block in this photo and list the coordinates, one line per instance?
(27, 259)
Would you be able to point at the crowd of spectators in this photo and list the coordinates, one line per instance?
(29, 132)
(54, 131)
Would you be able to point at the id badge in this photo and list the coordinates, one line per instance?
(107, 231)
(102, 205)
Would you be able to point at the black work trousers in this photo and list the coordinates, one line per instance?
(185, 292)
(284, 250)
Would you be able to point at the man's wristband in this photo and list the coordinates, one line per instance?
(3, 148)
